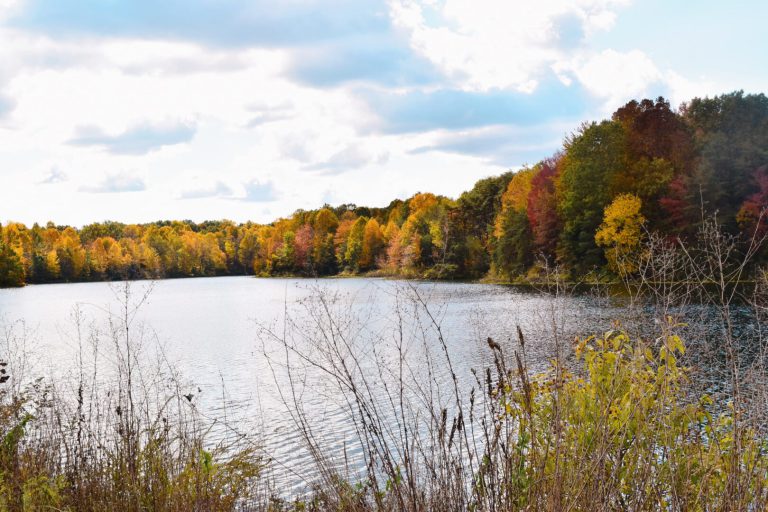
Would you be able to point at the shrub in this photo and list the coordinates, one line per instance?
(625, 435)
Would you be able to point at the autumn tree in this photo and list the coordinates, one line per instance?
(323, 253)
(284, 257)
(17, 237)
(658, 143)
(473, 223)
(139, 259)
(591, 160)
(373, 243)
(303, 249)
(424, 232)
(512, 253)
(248, 249)
(52, 268)
(341, 235)
(542, 210)
(11, 269)
(354, 246)
(106, 258)
(621, 232)
(393, 251)
(325, 221)
(752, 214)
(709, 156)
(166, 243)
(72, 255)
(731, 136)
(45, 260)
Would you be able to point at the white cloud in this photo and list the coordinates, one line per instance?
(135, 140)
(217, 189)
(173, 57)
(683, 89)
(482, 45)
(55, 175)
(258, 130)
(258, 192)
(264, 113)
(7, 104)
(243, 115)
(8, 7)
(485, 44)
(352, 156)
(115, 183)
(618, 76)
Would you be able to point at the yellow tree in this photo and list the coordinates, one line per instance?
(516, 196)
(394, 250)
(325, 225)
(325, 221)
(512, 254)
(17, 237)
(72, 256)
(189, 254)
(106, 256)
(373, 243)
(52, 267)
(423, 234)
(422, 202)
(248, 249)
(261, 259)
(214, 260)
(140, 258)
(11, 269)
(342, 234)
(354, 249)
(621, 232)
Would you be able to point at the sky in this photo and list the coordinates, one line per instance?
(139, 110)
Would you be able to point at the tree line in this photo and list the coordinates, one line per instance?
(648, 168)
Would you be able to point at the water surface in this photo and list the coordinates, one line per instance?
(218, 331)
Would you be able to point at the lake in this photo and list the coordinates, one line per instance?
(221, 333)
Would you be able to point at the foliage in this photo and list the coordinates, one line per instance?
(513, 255)
(592, 158)
(620, 233)
(625, 435)
(732, 142)
(751, 216)
(542, 209)
(11, 271)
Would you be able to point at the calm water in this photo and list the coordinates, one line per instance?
(217, 332)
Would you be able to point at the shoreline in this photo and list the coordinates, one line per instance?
(396, 277)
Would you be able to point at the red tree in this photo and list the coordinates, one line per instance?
(542, 209)
(752, 213)
(303, 250)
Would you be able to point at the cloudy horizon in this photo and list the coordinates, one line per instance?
(247, 110)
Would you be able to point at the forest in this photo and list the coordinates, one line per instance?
(649, 168)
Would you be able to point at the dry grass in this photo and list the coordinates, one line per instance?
(115, 433)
